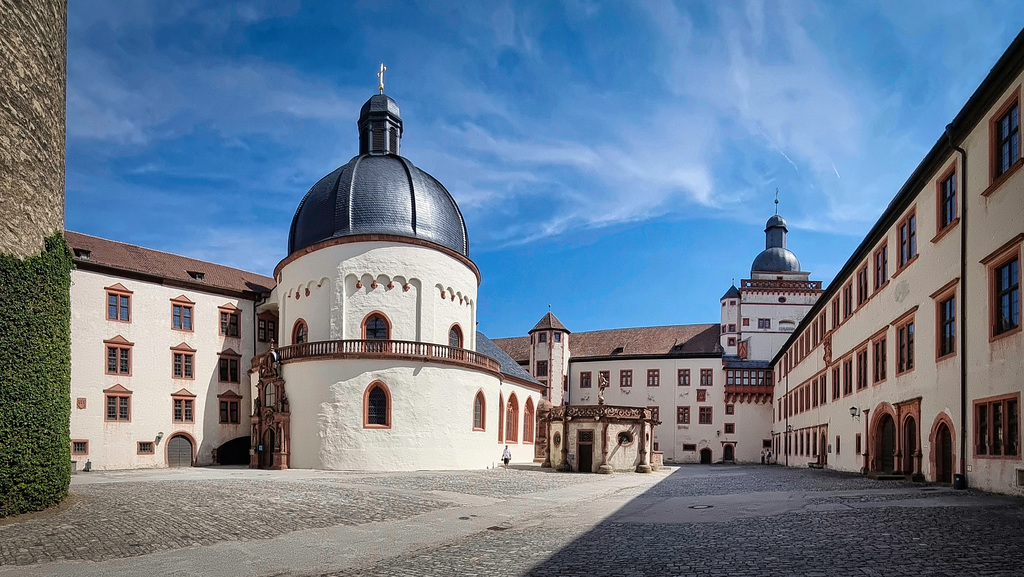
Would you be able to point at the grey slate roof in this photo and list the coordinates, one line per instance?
(509, 366)
(732, 293)
(775, 259)
(549, 322)
(379, 193)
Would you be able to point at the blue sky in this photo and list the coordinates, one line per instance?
(615, 160)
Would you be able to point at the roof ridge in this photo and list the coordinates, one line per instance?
(168, 253)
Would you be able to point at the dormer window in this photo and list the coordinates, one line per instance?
(83, 254)
(197, 276)
(617, 351)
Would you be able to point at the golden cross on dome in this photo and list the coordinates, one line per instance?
(381, 76)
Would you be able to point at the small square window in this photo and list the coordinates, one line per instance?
(730, 428)
(730, 409)
(79, 447)
(702, 395)
(145, 448)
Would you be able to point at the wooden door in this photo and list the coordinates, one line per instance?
(179, 452)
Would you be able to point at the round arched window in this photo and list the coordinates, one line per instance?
(625, 438)
(377, 328)
(455, 337)
(300, 333)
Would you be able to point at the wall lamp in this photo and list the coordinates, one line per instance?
(855, 413)
(159, 436)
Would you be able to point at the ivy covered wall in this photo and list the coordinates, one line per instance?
(35, 378)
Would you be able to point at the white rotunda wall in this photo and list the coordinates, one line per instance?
(422, 291)
(431, 416)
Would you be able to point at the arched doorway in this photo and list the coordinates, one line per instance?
(727, 453)
(267, 450)
(234, 452)
(886, 445)
(705, 456)
(179, 451)
(943, 455)
(823, 450)
(909, 445)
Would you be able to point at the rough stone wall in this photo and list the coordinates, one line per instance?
(33, 74)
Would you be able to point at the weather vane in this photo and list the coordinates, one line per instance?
(776, 196)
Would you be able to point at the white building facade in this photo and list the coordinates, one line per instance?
(910, 363)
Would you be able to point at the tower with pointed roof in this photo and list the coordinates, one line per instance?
(549, 357)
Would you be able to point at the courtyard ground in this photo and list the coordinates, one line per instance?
(691, 520)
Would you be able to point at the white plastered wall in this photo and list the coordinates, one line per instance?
(403, 281)
(431, 416)
(113, 444)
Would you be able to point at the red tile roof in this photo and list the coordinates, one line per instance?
(674, 340)
(94, 253)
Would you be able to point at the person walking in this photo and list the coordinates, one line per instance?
(506, 456)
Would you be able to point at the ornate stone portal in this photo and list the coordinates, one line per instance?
(271, 417)
(599, 438)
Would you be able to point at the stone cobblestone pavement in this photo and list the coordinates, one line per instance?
(145, 517)
(693, 520)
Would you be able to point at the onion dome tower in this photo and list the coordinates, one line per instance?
(775, 258)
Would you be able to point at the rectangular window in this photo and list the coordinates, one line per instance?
(704, 416)
(702, 395)
(183, 411)
(119, 360)
(683, 415)
(746, 322)
(730, 409)
(732, 328)
(626, 378)
(997, 426)
(847, 377)
(847, 300)
(862, 369)
(585, 380)
(908, 239)
(542, 368)
(707, 377)
(181, 317)
(558, 337)
(267, 329)
(689, 447)
(229, 412)
(655, 413)
(119, 306)
(947, 326)
(905, 341)
(862, 286)
(79, 447)
(145, 447)
(730, 428)
(1006, 294)
(878, 356)
(542, 338)
(182, 368)
(229, 324)
(684, 377)
(837, 444)
(118, 408)
(653, 377)
(228, 370)
(835, 312)
(1007, 140)
(764, 323)
(881, 266)
(835, 383)
(857, 443)
(947, 201)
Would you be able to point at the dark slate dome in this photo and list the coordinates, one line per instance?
(379, 192)
(775, 260)
(775, 257)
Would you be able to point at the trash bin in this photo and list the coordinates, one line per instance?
(959, 481)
